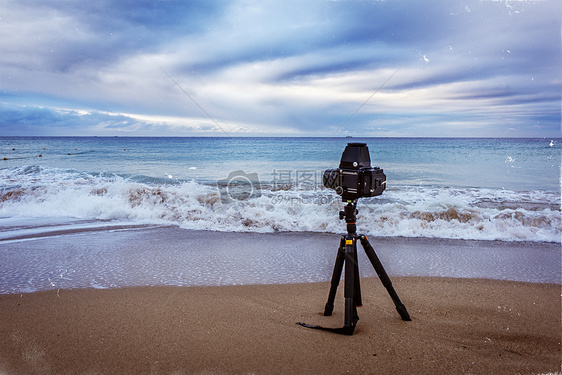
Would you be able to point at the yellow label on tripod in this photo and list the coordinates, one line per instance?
(349, 242)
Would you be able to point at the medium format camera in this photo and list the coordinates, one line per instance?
(355, 178)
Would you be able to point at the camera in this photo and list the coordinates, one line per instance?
(355, 178)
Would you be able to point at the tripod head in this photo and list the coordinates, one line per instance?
(349, 213)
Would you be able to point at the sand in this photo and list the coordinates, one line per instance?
(459, 326)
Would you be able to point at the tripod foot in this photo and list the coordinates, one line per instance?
(328, 309)
(403, 313)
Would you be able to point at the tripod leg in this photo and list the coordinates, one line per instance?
(351, 275)
(358, 301)
(384, 278)
(336, 276)
(347, 254)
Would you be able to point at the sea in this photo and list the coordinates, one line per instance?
(483, 189)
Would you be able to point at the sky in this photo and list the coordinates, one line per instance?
(394, 68)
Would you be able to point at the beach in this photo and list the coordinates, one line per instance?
(459, 326)
(112, 299)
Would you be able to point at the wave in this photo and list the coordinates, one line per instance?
(438, 212)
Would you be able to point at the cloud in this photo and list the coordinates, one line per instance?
(292, 67)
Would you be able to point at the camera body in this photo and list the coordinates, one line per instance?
(355, 178)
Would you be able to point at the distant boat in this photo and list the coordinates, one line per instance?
(348, 136)
(551, 143)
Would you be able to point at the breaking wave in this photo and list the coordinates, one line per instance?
(440, 212)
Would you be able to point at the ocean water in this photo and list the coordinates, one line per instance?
(473, 189)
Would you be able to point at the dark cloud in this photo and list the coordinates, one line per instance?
(99, 32)
(46, 121)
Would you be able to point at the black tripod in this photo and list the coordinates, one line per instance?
(347, 254)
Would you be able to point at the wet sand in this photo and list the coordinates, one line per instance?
(459, 326)
(109, 256)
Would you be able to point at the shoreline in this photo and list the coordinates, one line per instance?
(459, 326)
(45, 228)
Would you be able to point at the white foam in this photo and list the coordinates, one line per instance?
(482, 214)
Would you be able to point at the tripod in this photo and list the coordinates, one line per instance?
(347, 255)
